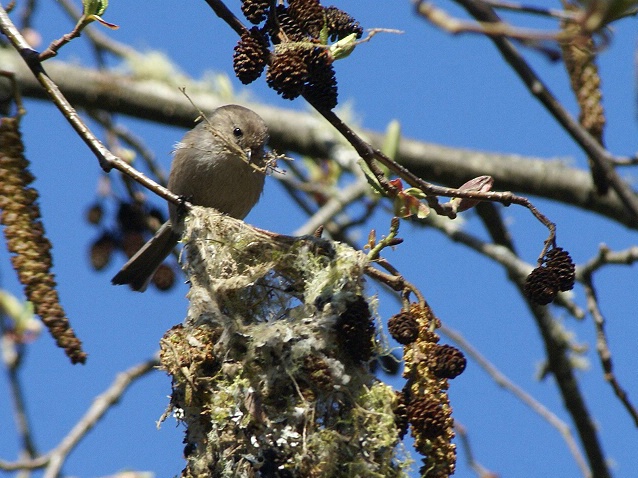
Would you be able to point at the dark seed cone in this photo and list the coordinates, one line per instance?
(94, 214)
(321, 89)
(164, 278)
(447, 361)
(131, 217)
(559, 261)
(318, 372)
(285, 26)
(541, 286)
(427, 417)
(255, 11)
(102, 251)
(340, 24)
(24, 233)
(401, 414)
(288, 73)
(157, 215)
(404, 328)
(132, 242)
(355, 330)
(308, 14)
(251, 56)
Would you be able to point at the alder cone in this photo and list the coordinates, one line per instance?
(321, 89)
(308, 14)
(559, 261)
(427, 417)
(340, 24)
(355, 330)
(541, 286)
(255, 11)
(447, 362)
(251, 55)
(288, 73)
(285, 25)
(404, 328)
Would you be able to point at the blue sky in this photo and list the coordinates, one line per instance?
(450, 90)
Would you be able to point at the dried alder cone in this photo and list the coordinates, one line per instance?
(401, 414)
(403, 327)
(255, 11)
(251, 55)
(288, 73)
(423, 404)
(556, 273)
(427, 417)
(308, 14)
(301, 62)
(447, 361)
(355, 330)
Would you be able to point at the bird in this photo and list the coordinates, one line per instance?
(220, 163)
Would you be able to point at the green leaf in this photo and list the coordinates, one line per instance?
(94, 7)
(324, 33)
(343, 47)
(391, 141)
(21, 313)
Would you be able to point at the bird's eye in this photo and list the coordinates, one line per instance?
(238, 132)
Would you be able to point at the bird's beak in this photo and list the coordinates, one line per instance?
(255, 155)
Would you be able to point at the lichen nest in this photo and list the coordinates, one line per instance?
(261, 378)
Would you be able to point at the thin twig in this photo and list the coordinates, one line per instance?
(123, 133)
(607, 256)
(491, 216)
(54, 459)
(479, 469)
(604, 352)
(334, 205)
(586, 141)
(106, 159)
(394, 280)
(500, 29)
(13, 361)
(628, 161)
(371, 156)
(27, 13)
(585, 275)
(533, 9)
(225, 14)
(98, 39)
(54, 47)
(501, 380)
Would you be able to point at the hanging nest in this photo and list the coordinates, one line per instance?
(263, 378)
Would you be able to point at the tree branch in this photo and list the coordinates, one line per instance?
(554, 339)
(305, 134)
(598, 154)
(106, 159)
(54, 459)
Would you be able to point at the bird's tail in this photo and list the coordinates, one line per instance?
(139, 269)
